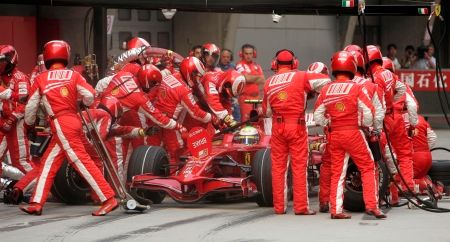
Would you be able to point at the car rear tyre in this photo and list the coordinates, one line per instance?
(440, 171)
(353, 195)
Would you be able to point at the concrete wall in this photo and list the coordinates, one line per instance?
(312, 38)
(402, 31)
(154, 25)
(198, 28)
(71, 24)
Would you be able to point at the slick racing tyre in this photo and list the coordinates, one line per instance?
(353, 196)
(262, 176)
(440, 171)
(148, 159)
(68, 187)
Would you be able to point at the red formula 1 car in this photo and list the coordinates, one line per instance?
(236, 164)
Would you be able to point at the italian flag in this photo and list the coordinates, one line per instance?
(348, 3)
(423, 11)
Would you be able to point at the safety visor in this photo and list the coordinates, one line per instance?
(3, 64)
(247, 139)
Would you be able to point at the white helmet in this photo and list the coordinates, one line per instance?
(248, 135)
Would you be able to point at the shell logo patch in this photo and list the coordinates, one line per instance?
(115, 91)
(282, 96)
(340, 106)
(163, 93)
(64, 92)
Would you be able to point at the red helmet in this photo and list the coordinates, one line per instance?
(388, 64)
(233, 82)
(351, 48)
(318, 67)
(8, 59)
(343, 61)
(210, 49)
(190, 68)
(149, 76)
(56, 51)
(374, 54)
(112, 106)
(360, 63)
(136, 42)
(285, 57)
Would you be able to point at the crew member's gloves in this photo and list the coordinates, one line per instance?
(260, 111)
(412, 131)
(183, 131)
(19, 98)
(8, 123)
(82, 106)
(152, 131)
(215, 121)
(229, 121)
(141, 132)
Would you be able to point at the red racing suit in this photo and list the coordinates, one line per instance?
(348, 108)
(175, 99)
(111, 133)
(103, 83)
(378, 104)
(218, 102)
(13, 95)
(59, 90)
(285, 101)
(405, 113)
(392, 89)
(251, 90)
(124, 87)
(423, 141)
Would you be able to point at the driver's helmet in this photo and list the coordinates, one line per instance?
(248, 136)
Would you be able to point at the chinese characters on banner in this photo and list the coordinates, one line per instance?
(423, 80)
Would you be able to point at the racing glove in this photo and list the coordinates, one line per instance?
(183, 131)
(215, 122)
(229, 121)
(412, 131)
(151, 131)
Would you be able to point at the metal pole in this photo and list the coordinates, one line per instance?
(100, 39)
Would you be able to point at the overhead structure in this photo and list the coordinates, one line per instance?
(276, 8)
(282, 7)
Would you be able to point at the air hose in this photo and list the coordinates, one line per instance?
(439, 77)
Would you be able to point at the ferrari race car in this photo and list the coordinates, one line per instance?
(236, 166)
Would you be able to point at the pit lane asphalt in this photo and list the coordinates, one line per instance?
(234, 222)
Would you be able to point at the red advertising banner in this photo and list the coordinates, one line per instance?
(423, 80)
